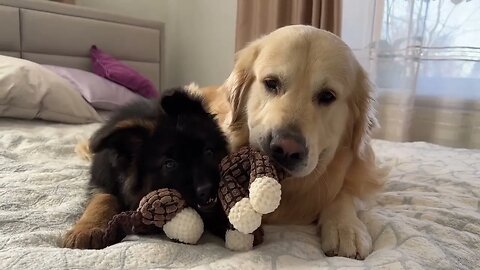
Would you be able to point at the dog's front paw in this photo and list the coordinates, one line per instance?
(84, 237)
(346, 238)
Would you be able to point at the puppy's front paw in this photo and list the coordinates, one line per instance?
(346, 238)
(84, 237)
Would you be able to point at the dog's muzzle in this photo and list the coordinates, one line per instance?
(287, 147)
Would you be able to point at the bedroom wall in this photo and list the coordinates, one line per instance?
(199, 35)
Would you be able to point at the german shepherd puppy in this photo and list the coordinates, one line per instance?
(173, 143)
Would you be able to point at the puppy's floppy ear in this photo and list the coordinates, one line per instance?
(177, 101)
(239, 81)
(125, 136)
(364, 120)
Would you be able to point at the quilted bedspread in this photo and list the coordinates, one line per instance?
(427, 217)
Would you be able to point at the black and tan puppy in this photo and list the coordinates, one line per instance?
(167, 143)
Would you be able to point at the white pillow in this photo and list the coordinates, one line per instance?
(28, 91)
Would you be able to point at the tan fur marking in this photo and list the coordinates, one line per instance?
(129, 123)
(100, 209)
(82, 149)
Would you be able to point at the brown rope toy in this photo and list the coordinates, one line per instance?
(249, 188)
(160, 209)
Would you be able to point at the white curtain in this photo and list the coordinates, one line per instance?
(424, 57)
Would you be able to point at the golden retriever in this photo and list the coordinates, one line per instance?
(300, 95)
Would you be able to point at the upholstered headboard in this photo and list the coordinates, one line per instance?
(60, 34)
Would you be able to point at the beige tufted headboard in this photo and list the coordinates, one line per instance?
(60, 34)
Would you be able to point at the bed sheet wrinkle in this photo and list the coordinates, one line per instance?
(427, 217)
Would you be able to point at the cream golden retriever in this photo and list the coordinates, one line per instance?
(300, 95)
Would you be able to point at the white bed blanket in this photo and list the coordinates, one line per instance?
(428, 216)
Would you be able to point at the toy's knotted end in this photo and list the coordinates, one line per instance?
(160, 206)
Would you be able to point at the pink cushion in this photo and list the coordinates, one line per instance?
(99, 92)
(112, 69)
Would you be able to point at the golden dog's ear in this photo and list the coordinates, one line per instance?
(364, 120)
(239, 81)
(364, 177)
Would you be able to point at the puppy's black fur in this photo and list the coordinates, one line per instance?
(172, 142)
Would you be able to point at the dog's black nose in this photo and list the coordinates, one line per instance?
(288, 148)
(204, 192)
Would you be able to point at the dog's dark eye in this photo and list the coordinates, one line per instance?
(272, 85)
(208, 153)
(170, 164)
(326, 97)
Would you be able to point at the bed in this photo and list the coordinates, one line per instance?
(427, 217)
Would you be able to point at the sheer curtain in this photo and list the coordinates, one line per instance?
(424, 57)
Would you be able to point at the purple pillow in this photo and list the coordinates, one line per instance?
(110, 68)
(101, 93)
